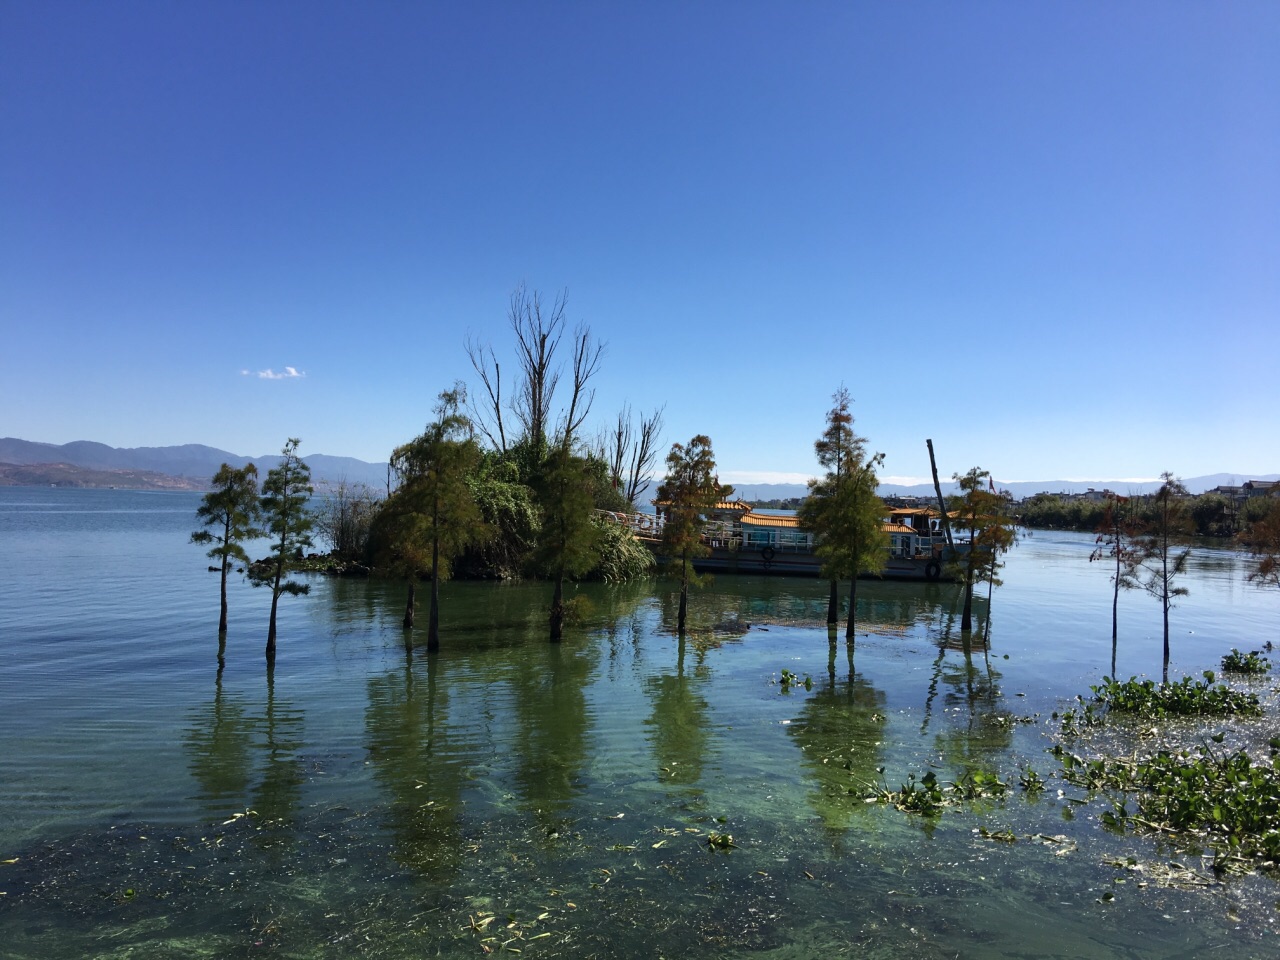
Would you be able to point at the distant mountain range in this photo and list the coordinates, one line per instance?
(192, 465)
(88, 464)
(1019, 489)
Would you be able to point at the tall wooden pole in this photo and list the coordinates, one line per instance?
(942, 506)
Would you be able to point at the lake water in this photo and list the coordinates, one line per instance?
(508, 794)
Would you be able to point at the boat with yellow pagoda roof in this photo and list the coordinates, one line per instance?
(744, 541)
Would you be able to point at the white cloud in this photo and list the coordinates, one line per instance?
(289, 373)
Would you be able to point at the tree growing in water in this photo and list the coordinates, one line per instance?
(980, 511)
(566, 546)
(835, 449)
(689, 492)
(284, 509)
(1157, 562)
(843, 511)
(1117, 533)
(230, 512)
(435, 505)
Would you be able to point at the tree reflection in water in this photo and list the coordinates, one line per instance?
(840, 733)
(678, 725)
(244, 760)
(415, 759)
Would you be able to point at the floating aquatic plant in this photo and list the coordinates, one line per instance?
(1185, 697)
(1251, 662)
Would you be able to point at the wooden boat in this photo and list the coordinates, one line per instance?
(742, 541)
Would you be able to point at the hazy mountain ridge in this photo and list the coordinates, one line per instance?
(192, 461)
(197, 462)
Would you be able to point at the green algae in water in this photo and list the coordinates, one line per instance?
(560, 800)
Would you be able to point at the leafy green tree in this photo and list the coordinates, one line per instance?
(980, 511)
(689, 492)
(230, 511)
(1212, 515)
(567, 545)
(509, 508)
(1263, 541)
(859, 525)
(1158, 562)
(283, 504)
(840, 451)
(1255, 509)
(436, 506)
(843, 511)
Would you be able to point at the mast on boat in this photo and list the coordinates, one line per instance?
(942, 506)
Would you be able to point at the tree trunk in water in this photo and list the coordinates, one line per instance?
(684, 594)
(222, 620)
(1165, 678)
(966, 617)
(833, 604)
(1164, 602)
(408, 608)
(850, 630)
(557, 611)
(1115, 607)
(433, 615)
(271, 633)
(986, 630)
(271, 627)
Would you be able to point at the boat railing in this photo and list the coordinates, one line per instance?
(641, 524)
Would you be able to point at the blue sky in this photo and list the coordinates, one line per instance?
(1045, 235)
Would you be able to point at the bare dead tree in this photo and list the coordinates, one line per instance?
(630, 452)
(613, 445)
(489, 417)
(644, 452)
(587, 354)
(537, 337)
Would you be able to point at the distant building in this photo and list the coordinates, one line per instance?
(1094, 496)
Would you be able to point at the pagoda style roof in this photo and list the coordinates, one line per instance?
(768, 520)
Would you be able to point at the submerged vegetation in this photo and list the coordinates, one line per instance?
(1197, 795)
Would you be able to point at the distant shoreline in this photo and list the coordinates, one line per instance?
(73, 477)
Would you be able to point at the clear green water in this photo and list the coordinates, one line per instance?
(365, 802)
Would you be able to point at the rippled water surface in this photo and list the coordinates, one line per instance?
(508, 794)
